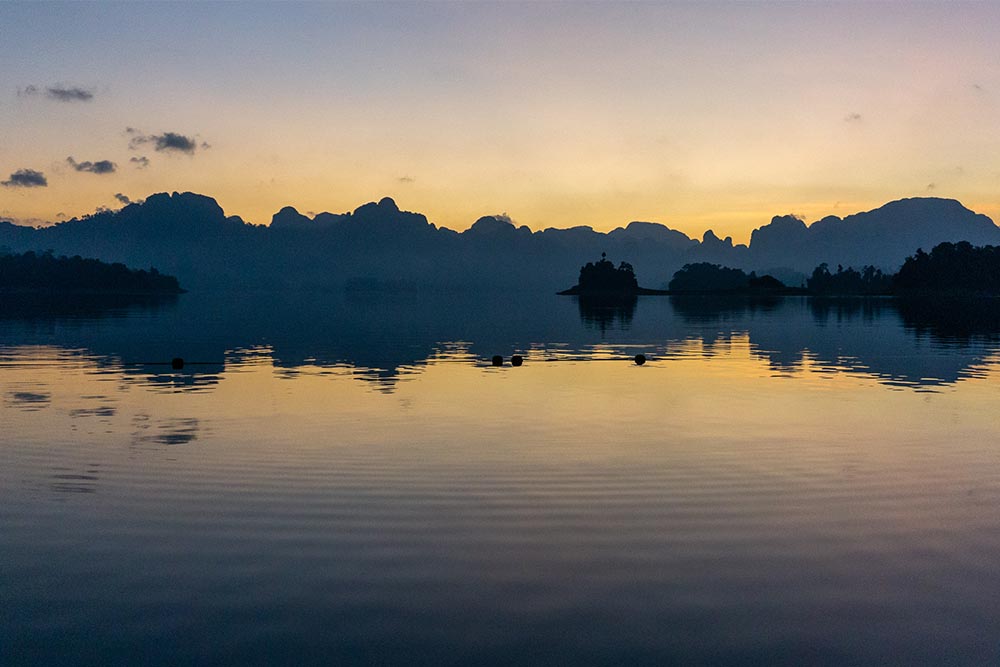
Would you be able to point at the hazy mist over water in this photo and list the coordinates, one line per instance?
(338, 477)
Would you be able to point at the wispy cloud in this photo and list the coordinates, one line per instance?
(26, 178)
(72, 94)
(99, 167)
(58, 92)
(140, 162)
(123, 198)
(853, 117)
(405, 179)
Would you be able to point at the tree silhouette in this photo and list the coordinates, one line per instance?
(952, 267)
(869, 281)
(602, 276)
(706, 277)
(31, 271)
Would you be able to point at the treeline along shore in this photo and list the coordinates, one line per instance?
(949, 269)
(44, 272)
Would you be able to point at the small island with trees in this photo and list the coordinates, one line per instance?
(45, 273)
(705, 278)
(603, 279)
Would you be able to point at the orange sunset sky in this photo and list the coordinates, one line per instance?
(700, 115)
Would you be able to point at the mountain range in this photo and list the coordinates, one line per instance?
(380, 247)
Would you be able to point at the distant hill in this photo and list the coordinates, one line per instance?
(883, 237)
(189, 236)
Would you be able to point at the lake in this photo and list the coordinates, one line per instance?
(343, 479)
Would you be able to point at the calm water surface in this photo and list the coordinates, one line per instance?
(348, 480)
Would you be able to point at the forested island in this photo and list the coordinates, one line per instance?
(44, 272)
(703, 277)
(603, 279)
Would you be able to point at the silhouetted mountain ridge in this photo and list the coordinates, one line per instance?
(189, 235)
(883, 237)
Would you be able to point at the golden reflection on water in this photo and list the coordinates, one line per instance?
(580, 490)
(601, 405)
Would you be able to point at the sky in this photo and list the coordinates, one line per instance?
(700, 116)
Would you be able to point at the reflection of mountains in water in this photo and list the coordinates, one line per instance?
(385, 339)
(899, 342)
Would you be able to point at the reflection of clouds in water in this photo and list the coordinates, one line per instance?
(174, 431)
(27, 400)
(68, 480)
(99, 411)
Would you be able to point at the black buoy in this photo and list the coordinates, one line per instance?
(516, 360)
(177, 363)
(497, 360)
(640, 359)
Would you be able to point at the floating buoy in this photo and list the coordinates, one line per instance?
(497, 360)
(640, 359)
(516, 360)
(177, 363)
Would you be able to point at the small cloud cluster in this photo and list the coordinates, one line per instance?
(405, 179)
(853, 117)
(26, 178)
(168, 141)
(99, 167)
(64, 94)
(140, 162)
(124, 199)
(59, 92)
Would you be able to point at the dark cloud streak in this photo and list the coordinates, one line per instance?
(59, 93)
(99, 167)
(70, 94)
(26, 178)
(140, 162)
(168, 141)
